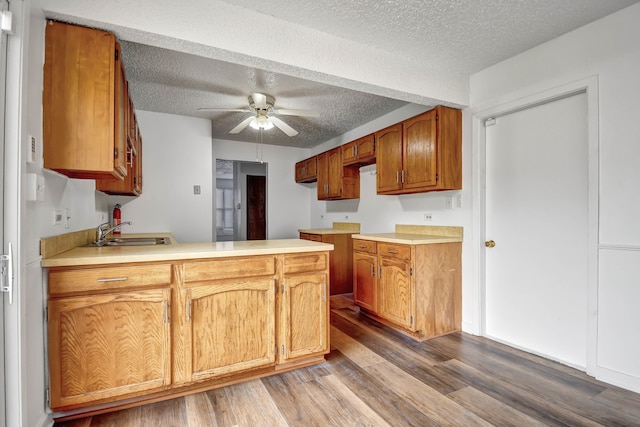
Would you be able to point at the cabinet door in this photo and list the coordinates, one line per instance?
(106, 346)
(420, 151)
(323, 175)
(366, 149)
(394, 285)
(79, 96)
(389, 159)
(349, 153)
(365, 269)
(304, 315)
(231, 326)
(335, 173)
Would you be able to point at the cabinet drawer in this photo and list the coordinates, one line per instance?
(394, 251)
(229, 268)
(312, 261)
(364, 246)
(102, 278)
(315, 237)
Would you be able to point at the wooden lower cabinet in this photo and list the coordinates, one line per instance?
(105, 346)
(340, 260)
(149, 331)
(304, 308)
(418, 288)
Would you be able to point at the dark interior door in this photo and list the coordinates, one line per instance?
(256, 208)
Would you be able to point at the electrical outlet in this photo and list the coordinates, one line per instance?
(346, 217)
(67, 218)
(57, 217)
(450, 202)
(196, 189)
(321, 216)
(428, 217)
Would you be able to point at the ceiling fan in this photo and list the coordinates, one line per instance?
(262, 106)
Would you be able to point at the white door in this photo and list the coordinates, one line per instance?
(3, 68)
(536, 213)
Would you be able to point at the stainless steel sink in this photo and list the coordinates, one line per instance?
(132, 241)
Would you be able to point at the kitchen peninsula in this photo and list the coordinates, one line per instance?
(129, 325)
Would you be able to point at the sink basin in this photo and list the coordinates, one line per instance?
(133, 241)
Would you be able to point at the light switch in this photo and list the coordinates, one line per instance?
(196, 189)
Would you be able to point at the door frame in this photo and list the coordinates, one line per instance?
(510, 104)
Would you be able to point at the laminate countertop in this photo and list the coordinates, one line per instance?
(83, 256)
(407, 239)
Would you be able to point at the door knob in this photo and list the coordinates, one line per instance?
(490, 243)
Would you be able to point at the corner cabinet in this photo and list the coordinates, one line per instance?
(340, 259)
(306, 170)
(423, 153)
(414, 288)
(360, 152)
(335, 181)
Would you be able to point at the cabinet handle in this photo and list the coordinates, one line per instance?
(362, 246)
(403, 176)
(392, 252)
(379, 272)
(397, 177)
(373, 273)
(188, 310)
(324, 293)
(112, 279)
(166, 312)
(304, 171)
(356, 147)
(353, 151)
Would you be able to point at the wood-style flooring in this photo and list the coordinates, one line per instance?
(377, 377)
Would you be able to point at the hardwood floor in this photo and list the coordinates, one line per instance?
(377, 377)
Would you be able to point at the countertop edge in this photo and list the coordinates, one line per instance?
(407, 239)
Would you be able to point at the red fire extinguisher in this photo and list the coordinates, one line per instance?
(117, 218)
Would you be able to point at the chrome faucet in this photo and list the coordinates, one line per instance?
(105, 229)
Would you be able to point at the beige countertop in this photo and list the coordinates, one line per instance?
(416, 235)
(337, 228)
(178, 251)
(407, 239)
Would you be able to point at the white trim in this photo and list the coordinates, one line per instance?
(516, 102)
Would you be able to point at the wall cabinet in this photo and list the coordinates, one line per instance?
(108, 333)
(131, 185)
(360, 152)
(423, 153)
(306, 170)
(335, 181)
(87, 109)
(417, 289)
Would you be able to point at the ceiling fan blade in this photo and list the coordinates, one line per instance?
(243, 124)
(301, 113)
(237, 110)
(283, 126)
(259, 100)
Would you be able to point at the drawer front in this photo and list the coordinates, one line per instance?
(364, 246)
(315, 237)
(229, 268)
(120, 277)
(304, 236)
(313, 261)
(394, 251)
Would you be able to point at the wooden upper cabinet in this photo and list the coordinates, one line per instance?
(335, 181)
(83, 121)
(423, 153)
(389, 159)
(306, 170)
(360, 152)
(132, 145)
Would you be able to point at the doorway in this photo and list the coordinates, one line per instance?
(536, 204)
(256, 207)
(241, 200)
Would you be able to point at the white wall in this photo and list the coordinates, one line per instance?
(608, 49)
(176, 155)
(380, 213)
(287, 202)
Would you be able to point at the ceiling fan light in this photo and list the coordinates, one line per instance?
(261, 122)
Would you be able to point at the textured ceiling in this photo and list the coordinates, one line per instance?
(172, 82)
(440, 37)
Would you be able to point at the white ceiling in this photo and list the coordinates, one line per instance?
(437, 45)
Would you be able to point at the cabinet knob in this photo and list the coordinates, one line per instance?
(490, 243)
